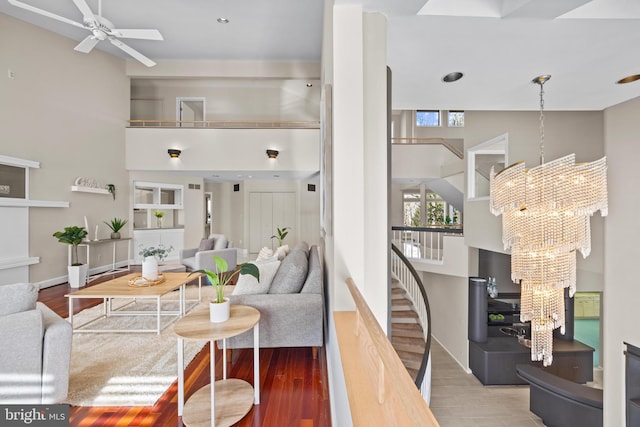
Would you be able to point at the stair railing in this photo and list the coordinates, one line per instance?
(405, 273)
(423, 242)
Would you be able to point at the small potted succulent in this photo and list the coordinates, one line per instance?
(219, 307)
(151, 256)
(77, 271)
(116, 225)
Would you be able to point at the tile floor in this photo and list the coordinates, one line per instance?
(459, 399)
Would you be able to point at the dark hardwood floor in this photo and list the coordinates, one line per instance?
(294, 387)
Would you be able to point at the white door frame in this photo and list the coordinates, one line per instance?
(180, 99)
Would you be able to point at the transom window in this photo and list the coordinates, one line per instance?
(427, 118)
(455, 118)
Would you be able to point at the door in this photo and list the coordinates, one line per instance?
(268, 211)
(189, 110)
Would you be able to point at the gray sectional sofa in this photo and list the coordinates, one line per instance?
(35, 349)
(291, 312)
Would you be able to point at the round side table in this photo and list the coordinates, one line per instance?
(227, 401)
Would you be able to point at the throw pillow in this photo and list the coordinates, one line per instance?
(291, 275)
(281, 252)
(265, 253)
(17, 297)
(248, 285)
(220, 243)
(205, 245)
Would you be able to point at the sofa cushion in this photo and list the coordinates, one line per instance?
(313, 283)
(302, 246)
(291, 275)
(206, 245)
(17, 297)
(247, 284)
(220, 243)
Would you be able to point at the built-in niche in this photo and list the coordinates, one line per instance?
(480, 159)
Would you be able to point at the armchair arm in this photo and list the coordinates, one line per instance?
(56, 356)
(187, 253)
(21, 355)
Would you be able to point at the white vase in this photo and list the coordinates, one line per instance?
(219, 311)
(150, 268)
(77, 275)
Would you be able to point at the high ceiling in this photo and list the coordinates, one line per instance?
(499, 45)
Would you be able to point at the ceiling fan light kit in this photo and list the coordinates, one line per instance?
(100, 28)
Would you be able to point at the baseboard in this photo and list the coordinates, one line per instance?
(467, 370)
(65, 279)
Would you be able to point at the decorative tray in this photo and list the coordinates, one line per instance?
(141, 281)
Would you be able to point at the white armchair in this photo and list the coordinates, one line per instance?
(202, 257)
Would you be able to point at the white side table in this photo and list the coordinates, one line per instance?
(227, 401)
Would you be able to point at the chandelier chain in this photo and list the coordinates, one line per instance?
(541, 122)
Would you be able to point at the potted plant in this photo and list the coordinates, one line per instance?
(74, 236)
(116, 225)
(151, 256)
(281, 234)
(111, 188)
(158, 215)
(219, 306)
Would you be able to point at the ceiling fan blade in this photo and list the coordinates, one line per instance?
(131, 51)
(137, 34)
(87, 44)
(45, 13)
(85, 10)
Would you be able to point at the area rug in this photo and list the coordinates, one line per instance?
(127, 369)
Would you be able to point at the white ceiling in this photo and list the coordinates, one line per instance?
(500, 45)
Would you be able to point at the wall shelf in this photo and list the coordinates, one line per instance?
(33, 203)
(89, 190)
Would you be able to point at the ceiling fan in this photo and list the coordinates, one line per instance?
(101, 29)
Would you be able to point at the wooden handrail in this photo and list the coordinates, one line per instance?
(429, 141)
(225, 124)
(380, 390)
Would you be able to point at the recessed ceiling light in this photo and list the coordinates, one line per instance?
(309, 84)
(629, 79)
(222, 20)
(452, 77)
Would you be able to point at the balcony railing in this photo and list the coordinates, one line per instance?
(225, 124)
(423, 242)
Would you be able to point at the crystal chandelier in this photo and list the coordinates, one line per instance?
(545, 220)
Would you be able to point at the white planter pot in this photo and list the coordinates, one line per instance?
(150, 268)
(77, 275)
(219, 312)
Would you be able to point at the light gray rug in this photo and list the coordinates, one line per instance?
(127, 369)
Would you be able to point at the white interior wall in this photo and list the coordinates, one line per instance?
(234, 99)
(621, 294)
(223, 149)
(75, 135)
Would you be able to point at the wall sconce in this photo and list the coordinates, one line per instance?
(174, 153)
(272, 154)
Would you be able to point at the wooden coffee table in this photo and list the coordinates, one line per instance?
(121, 288)
(227, 401)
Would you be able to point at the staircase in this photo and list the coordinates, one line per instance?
(407, 336)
